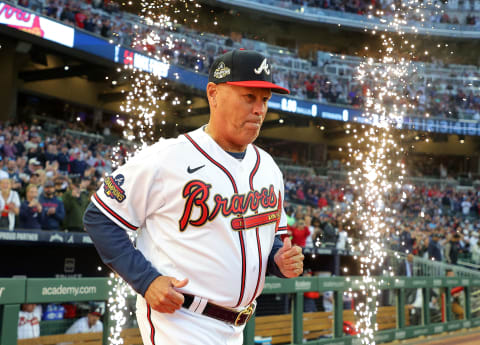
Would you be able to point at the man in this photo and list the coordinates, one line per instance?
(33, 166)
(87, 324)
(405, 269)
(456, 294)
(28, 321)
(453, 249)
(14, 174)
(434, 249)
(75, 202)
(412, 296)
(209, 208)
(53, 210)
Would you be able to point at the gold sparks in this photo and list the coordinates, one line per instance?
(375, 157)
(155, 37)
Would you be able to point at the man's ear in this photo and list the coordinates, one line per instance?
(212, 94)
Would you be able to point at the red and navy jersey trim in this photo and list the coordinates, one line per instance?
(221, 167)
(240, 233)
(244, 268)
(152, 328)
(259, 246)
(111, 212)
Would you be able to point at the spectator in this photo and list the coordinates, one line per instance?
(51, 153)
(14, 174)
(86, 324)
(434, 250)
(33, 165)
(456, 293)
(53, 210)
(328, 301)
(322, 201)
(9, 204)
(466, 205)
(28, 321)
(9, 150)
(63, 160)
(75, 203)
(299, 233)
(405, 269)
(309, 304)
(31, 210)
(475, 248)
(453, 249)
(77, 165)
(3, 173)
(406, 241)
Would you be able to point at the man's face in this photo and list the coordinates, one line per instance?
(29, 307)
(239, 112)
(49, 191)
(92, 319)
(12, 165)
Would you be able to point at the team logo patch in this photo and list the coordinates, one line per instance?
(222, 71)
(112, 187)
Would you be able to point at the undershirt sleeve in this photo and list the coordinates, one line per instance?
(117, 250)
(272, 267)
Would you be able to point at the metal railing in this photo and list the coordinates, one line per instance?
(428, 268)
(314, 14)
(14, 292)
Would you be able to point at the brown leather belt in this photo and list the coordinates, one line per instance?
(236, 318)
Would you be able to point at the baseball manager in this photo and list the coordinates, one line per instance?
(207, 207)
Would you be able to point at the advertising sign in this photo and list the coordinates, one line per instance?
(36, 25)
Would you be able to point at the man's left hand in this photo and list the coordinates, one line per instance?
(289, 259)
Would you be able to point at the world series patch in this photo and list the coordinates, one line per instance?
(112, 187)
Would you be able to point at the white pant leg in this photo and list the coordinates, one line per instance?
(184, 328)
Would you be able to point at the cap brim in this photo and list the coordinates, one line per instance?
(260, 84)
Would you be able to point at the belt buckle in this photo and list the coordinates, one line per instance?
(247, 311)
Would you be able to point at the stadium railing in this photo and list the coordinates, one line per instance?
(429, 268)
(315, 14)
(14, 292)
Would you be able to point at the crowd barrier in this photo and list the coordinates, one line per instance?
(295, 327)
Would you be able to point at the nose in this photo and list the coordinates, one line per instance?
(259, 107)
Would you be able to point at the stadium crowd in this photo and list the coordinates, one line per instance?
(104, 18)
(46, 181)
(434, 223)
(363, 7)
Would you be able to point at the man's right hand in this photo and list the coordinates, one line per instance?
(162, 296)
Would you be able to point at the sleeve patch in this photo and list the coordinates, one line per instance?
(112, 187)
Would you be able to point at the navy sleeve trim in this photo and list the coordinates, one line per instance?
(113, 214)
(272, 267)
(117, 250)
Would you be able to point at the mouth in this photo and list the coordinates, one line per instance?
(253, 121)
(252, 125)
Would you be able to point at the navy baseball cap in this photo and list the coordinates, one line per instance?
(246, 68)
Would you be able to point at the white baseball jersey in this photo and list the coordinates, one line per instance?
(28, 325)
(81, 326)
(200, 214)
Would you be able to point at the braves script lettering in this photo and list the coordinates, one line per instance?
(8, 12)
(197, 193)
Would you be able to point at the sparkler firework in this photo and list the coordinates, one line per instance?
(143, 103)
(375, 157)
